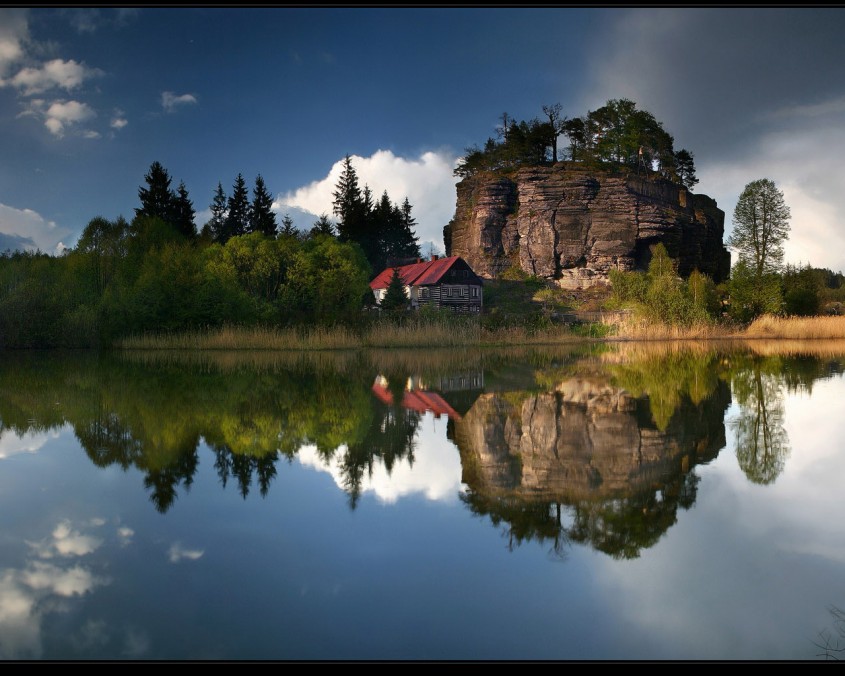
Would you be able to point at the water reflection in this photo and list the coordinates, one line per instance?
(592, 446)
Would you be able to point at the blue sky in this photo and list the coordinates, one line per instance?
(90, 97)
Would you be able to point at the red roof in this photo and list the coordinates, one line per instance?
(418, 400)
(416, 274)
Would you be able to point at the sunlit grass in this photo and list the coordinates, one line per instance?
(799, 328)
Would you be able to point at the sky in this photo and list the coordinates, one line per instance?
(91, 97)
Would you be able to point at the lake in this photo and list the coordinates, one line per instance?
(630, 502)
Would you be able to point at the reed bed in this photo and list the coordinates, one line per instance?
(470, 334)
(381, 335)
(796, 328)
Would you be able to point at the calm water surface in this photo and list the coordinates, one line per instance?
(599, 504)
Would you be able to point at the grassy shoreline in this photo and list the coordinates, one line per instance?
(472, 334)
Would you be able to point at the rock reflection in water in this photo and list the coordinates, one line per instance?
(588, 448)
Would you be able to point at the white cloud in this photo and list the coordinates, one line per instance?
(436, 472)
(74, 581)
(170, 101)
(119, 123)
(60, 115)
(26, 223)
(67, 75)
(426, 181)
(125, 535)
(177, 552)
(28, 594)
(14, 33)
(65, 541)
(29, 442)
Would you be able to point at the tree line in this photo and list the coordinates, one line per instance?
(159, 273)
(617, 133)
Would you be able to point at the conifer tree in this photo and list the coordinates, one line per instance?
(288, 229)
(322, 226)
(349, 206)
(237, 216)
(215, 226)
(395, 300)
(157, 199)
(183, 213)
(261, 216)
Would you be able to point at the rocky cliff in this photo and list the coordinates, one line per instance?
(573, 224)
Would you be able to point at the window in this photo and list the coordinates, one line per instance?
(475, 292)
(424, 292)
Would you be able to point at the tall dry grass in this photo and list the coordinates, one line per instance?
(796, 328)
(381, 334)
(418, 334)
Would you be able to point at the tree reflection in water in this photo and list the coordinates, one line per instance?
(598, 450)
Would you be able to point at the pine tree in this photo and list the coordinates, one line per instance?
(215, 226)
(237, 216)
(157, 199)
(183, 213)
(261, 216)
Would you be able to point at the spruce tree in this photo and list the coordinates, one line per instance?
(183, 213)
(322, 226)
(237, 217)
(288, 229)
(157, 199)
(261, 216)
(349, 206)
(215, 226)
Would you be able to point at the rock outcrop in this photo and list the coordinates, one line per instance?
(573, 224)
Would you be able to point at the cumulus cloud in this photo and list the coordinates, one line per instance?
(13, 444)
(118, 122)
(177, 553)
(67, 75)
(31, 227)
(60, 116)
(171, 101)
(28, 594)
(74, 581)
(65, 541)
(435, 473)
(426, 181)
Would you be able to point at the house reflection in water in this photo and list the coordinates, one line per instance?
(451, 395)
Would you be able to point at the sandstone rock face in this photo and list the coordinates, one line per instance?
(574, 225)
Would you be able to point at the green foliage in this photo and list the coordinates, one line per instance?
(802, 290)
(760, 228)
(662, 297)
(261, 217)
(395, 299)
(617, 133)
(752, 295)
(383, 230)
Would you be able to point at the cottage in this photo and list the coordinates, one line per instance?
(441, 282)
